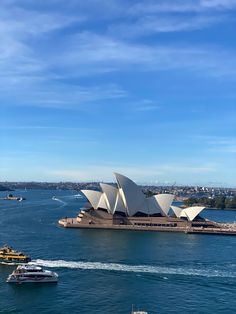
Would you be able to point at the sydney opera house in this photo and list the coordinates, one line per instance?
(129, 200)
(125, 206)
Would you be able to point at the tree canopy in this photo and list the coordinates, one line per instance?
(220, 202)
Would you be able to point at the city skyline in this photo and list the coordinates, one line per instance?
(145, 89)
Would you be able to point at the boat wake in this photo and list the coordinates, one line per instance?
(73, 196)
(146, 269)
(58, 200)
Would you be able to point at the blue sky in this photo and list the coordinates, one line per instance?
(144, 88)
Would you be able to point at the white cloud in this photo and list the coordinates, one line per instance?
(152, 7)
(91, 51)
(40, 69)
(58, 95)
(219, 4)
(163, 24)
(218, 144)
(150, 17)
(184, 6)
(146, 105)
(222, 144)
(27, 80)
(19, 30)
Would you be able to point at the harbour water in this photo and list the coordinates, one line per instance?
(106, 271)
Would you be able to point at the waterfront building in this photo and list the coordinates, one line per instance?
(128, 198)
(124, 206)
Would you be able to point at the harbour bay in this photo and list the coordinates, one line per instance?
(102, 271)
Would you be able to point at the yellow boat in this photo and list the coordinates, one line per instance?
(11, 257)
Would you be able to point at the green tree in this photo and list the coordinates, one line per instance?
(220, 202)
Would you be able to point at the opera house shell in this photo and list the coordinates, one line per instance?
(124, 206)
(128, 199)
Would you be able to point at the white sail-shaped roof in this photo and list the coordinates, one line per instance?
(183, 214)
(128, 198)
(122, 197)
(192, 212)
(164, 201)
(111, 195)
(93, 197)
(134, 197)
(152, 206)
(177, 211)
(103, 202)
(119, 205)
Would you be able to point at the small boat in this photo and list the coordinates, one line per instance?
(32, 274)
(12, 257)
(11, 197)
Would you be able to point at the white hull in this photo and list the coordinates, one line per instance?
(32, 274)
(13, 263)
(27, 280)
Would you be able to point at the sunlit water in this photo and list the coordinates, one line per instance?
(106, 271)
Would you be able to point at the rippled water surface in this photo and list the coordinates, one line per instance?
(106, 271)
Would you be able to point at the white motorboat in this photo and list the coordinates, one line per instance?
(32, 274)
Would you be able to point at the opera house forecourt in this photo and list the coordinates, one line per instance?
(126, 207)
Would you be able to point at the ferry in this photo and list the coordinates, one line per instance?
(11, 197)
(32, 274)
(9, 256)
